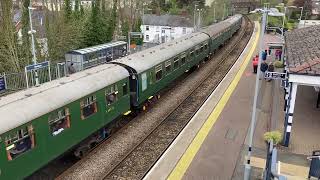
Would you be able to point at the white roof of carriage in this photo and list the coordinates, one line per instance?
(21, 107)
(148, 58)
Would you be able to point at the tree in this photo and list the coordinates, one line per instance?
(25, 53)
(8, 49)
(67, 10)
(96, 30)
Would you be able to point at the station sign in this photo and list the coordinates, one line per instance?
(2, 83)
(37, 66)
(275, 75)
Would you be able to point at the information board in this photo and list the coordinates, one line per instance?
(2, 84)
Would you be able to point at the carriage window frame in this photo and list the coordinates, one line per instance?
(183, 59)
(168, 66)
(58, 117)
(176, 63)
(158, 72)
(86, 102)
(124, 89)
(12, 139)
(111, 91)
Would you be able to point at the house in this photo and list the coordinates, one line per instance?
(163, 28)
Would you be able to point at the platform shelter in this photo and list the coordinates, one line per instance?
(302, 51)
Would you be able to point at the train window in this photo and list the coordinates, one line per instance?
(176, 63)
(183, 60)
(197, 51)
(59, 121)
(124, 89)
(191, 53)
(88, 106)
(168, 66)
(19, 142)
(158, 72)
(112, 94)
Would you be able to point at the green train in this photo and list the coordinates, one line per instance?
(39, 124)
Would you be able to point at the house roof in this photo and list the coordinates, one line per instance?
(167, 20)
(303, 51)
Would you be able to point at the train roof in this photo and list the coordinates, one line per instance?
(220, 26)
(148, 58)
(22, 107)
(97, 48)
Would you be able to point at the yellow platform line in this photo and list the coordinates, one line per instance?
(195, 145)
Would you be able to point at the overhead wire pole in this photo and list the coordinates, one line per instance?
(31, 32)
(247, 170)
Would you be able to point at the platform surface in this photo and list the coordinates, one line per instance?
(216, 146)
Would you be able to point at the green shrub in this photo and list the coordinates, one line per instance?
(278, 64)
(275, 136)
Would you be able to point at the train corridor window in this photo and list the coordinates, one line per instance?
(192, 53)
(59, 121)
(19, 142)
(197, 51)
(183, 60)
(176, 63)
(88, 106)
(124, 89)
(168, 66)
(112, 95)
(158, 72)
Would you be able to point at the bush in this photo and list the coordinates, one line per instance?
(278, 64)
(275, 136)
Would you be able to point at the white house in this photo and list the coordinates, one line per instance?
(163, 28)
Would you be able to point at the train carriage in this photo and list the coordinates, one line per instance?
(155, 68)
(41, 123)
(55, 117)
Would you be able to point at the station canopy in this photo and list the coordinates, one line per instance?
(97, 48)
(303, 54)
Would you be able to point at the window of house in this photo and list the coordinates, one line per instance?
(183, 60)
(163, 31)
(168, 66)
(147, 37)
(111, 94)
(88, 106)
(59, 121)
(176, 63)
(147, 28)
(158, 72)
(184, 30)
(124, 89)
(19, 142)
(172, 38)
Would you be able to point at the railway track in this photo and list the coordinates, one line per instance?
(142, 157)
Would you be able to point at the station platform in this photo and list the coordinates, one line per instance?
(214, 143)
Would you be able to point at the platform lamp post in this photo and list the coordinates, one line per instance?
(32, 32)
(301, 13)
(247, 170)
(214, 11)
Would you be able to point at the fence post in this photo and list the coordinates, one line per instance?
(26, 74)
(5, 80)
(49, 70)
